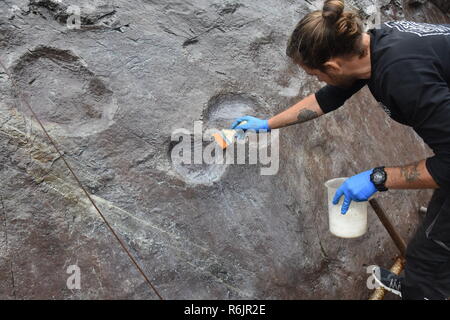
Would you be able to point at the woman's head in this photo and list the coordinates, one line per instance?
(324, 35)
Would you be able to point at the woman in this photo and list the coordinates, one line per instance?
(406, 66)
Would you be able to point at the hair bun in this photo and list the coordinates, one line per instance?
(332, 10)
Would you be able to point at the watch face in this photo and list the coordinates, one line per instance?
(378, 177)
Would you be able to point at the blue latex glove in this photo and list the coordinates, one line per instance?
(357, 188)
(252, 124)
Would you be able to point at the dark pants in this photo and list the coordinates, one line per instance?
(427, 270)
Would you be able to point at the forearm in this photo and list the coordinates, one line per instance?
(414, 176)
(305, 110)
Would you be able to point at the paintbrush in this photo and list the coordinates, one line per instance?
(227, 137)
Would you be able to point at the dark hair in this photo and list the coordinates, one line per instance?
(326, 34)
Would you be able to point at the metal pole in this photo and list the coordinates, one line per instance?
(396, 237)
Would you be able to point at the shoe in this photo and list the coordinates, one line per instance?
(388, 280)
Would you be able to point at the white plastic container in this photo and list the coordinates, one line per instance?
(351, 225)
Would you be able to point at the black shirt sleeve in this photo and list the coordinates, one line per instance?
(439, 168)
(422, 95)
(331, 98)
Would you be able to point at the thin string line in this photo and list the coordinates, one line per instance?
(141, 271)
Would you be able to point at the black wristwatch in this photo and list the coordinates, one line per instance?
(378, 178)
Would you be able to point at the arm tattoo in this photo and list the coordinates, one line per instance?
(306, 115)
(410, 173)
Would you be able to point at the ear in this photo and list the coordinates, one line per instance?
(333, 66)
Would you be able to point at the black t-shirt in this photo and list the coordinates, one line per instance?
(411, 80)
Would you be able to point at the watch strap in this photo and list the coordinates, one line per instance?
(379, 186)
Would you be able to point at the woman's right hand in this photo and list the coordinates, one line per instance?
(252, 123)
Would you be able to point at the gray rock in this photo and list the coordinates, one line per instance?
(112, 92)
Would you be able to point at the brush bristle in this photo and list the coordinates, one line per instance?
(220, 140)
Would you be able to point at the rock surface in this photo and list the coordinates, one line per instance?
(111, 93)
